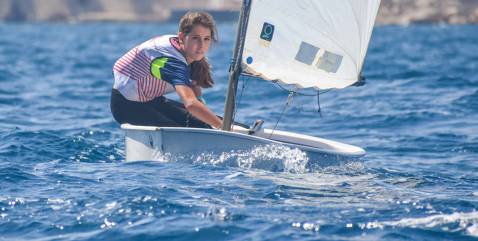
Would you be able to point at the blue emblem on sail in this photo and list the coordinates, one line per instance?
(267, 32)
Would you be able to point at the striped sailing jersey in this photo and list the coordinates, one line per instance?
(139, 78)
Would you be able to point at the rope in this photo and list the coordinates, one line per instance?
(289, 100)
(300, 93)
(290, 97)
(238, 102)
(318, 104)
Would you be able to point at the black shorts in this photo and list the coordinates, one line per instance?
(160, 112)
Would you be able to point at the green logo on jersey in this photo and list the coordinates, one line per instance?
(156, 66)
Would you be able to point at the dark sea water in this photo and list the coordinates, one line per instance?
(63, 175)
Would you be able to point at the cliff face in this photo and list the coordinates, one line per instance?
(83, 10)
(391, 11)
(418, 11)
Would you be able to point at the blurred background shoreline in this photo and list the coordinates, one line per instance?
(401, 12)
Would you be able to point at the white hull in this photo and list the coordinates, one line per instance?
(153, 143)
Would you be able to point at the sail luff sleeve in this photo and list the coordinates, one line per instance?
(235, 71)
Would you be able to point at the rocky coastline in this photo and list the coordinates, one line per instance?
(401, 12)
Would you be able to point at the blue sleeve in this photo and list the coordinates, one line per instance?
(171, 70)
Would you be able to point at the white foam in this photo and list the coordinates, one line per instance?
(267, 157)
(473, 230)
(467, 222)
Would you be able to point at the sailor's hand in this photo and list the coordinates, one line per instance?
(217, 127)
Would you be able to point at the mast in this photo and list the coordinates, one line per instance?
(235, 67)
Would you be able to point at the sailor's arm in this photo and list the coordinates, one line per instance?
(198, 92)
(197, 89)
(196, 107)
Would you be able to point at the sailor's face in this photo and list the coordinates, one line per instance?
(196, 43)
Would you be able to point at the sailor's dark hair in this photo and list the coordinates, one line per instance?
(200, 70)
(201, 73)
(191, 19)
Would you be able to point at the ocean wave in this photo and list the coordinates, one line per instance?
(454, 222)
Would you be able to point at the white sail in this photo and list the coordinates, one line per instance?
(309, 43)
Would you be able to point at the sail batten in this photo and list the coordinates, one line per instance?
(318, 44)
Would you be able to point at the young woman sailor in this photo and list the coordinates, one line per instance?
(162, 65)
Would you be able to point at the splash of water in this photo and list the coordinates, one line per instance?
(267, 157)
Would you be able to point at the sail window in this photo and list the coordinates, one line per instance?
(329, 62)
(307, 53)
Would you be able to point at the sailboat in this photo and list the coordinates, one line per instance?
(302, 43)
